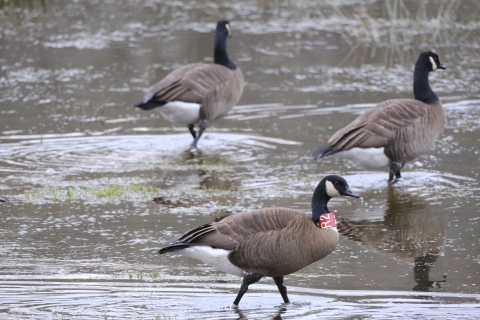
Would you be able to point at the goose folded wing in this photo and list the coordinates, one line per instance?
(197, 83)
(225, 88)
(229, 232)
(176, 86)
(378, 125)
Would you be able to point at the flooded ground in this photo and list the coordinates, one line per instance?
(95, 187)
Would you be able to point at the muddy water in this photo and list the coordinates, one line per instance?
(95, 187)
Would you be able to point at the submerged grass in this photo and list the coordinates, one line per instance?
(148, 275)
(109, 192)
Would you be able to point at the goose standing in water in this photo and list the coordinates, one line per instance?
(394, 131)
(270, 242)
(198, 93)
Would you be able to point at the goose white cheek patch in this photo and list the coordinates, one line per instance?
(331, 190)
(434, 65)
(327, 220)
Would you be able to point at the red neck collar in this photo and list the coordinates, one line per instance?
(327, 220)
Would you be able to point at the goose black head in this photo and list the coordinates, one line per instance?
(220, 55)
(336, 186)
(430, 60)
(329, 187)
(223, 28)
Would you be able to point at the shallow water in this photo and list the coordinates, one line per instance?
(95, 187)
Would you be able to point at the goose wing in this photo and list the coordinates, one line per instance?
(376, 127)
(205, 84)
(231, 231)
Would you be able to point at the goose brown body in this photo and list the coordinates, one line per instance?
(216, 88)
(406, 128)
(272, 242)
(402, 128)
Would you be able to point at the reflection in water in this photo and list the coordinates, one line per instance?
(421, 272)
(240, 314)
(409, 230)
(280, 311)
(27, 4)
(278, 316)
(190, 154)
(204, 175)
(213, 180)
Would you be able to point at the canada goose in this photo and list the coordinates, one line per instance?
(198, 93)
(409, 230)
(394, 131)
(270, 242)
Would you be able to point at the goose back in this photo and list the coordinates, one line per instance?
(214, 87)
(272, 241)
(406, 128)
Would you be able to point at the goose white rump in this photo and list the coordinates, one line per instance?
(180, 113)
(216, 258)
(368, 158)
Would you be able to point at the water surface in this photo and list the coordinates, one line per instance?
(95, 187)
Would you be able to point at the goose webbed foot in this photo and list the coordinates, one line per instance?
(281, 288)
(247, 280)
(194, 145)
(196, 135)
(395, 168)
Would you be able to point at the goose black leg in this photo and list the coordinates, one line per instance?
(247, 280)
(192, 131)
(395, 168)
(397, 175)
(197, 137)
(200, 131)
(281, 288)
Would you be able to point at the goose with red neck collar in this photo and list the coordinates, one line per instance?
(269, 242)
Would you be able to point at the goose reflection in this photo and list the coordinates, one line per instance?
(278, 316)
(209, 180)
(409, 230)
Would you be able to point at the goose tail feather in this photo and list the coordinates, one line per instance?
(323, 151)
(177, 246)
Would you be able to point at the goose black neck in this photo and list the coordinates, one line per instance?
(421, 88)
(319, 202)
(220, 54)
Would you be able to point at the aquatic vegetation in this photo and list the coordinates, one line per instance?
(110, 192)
(95, 188)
